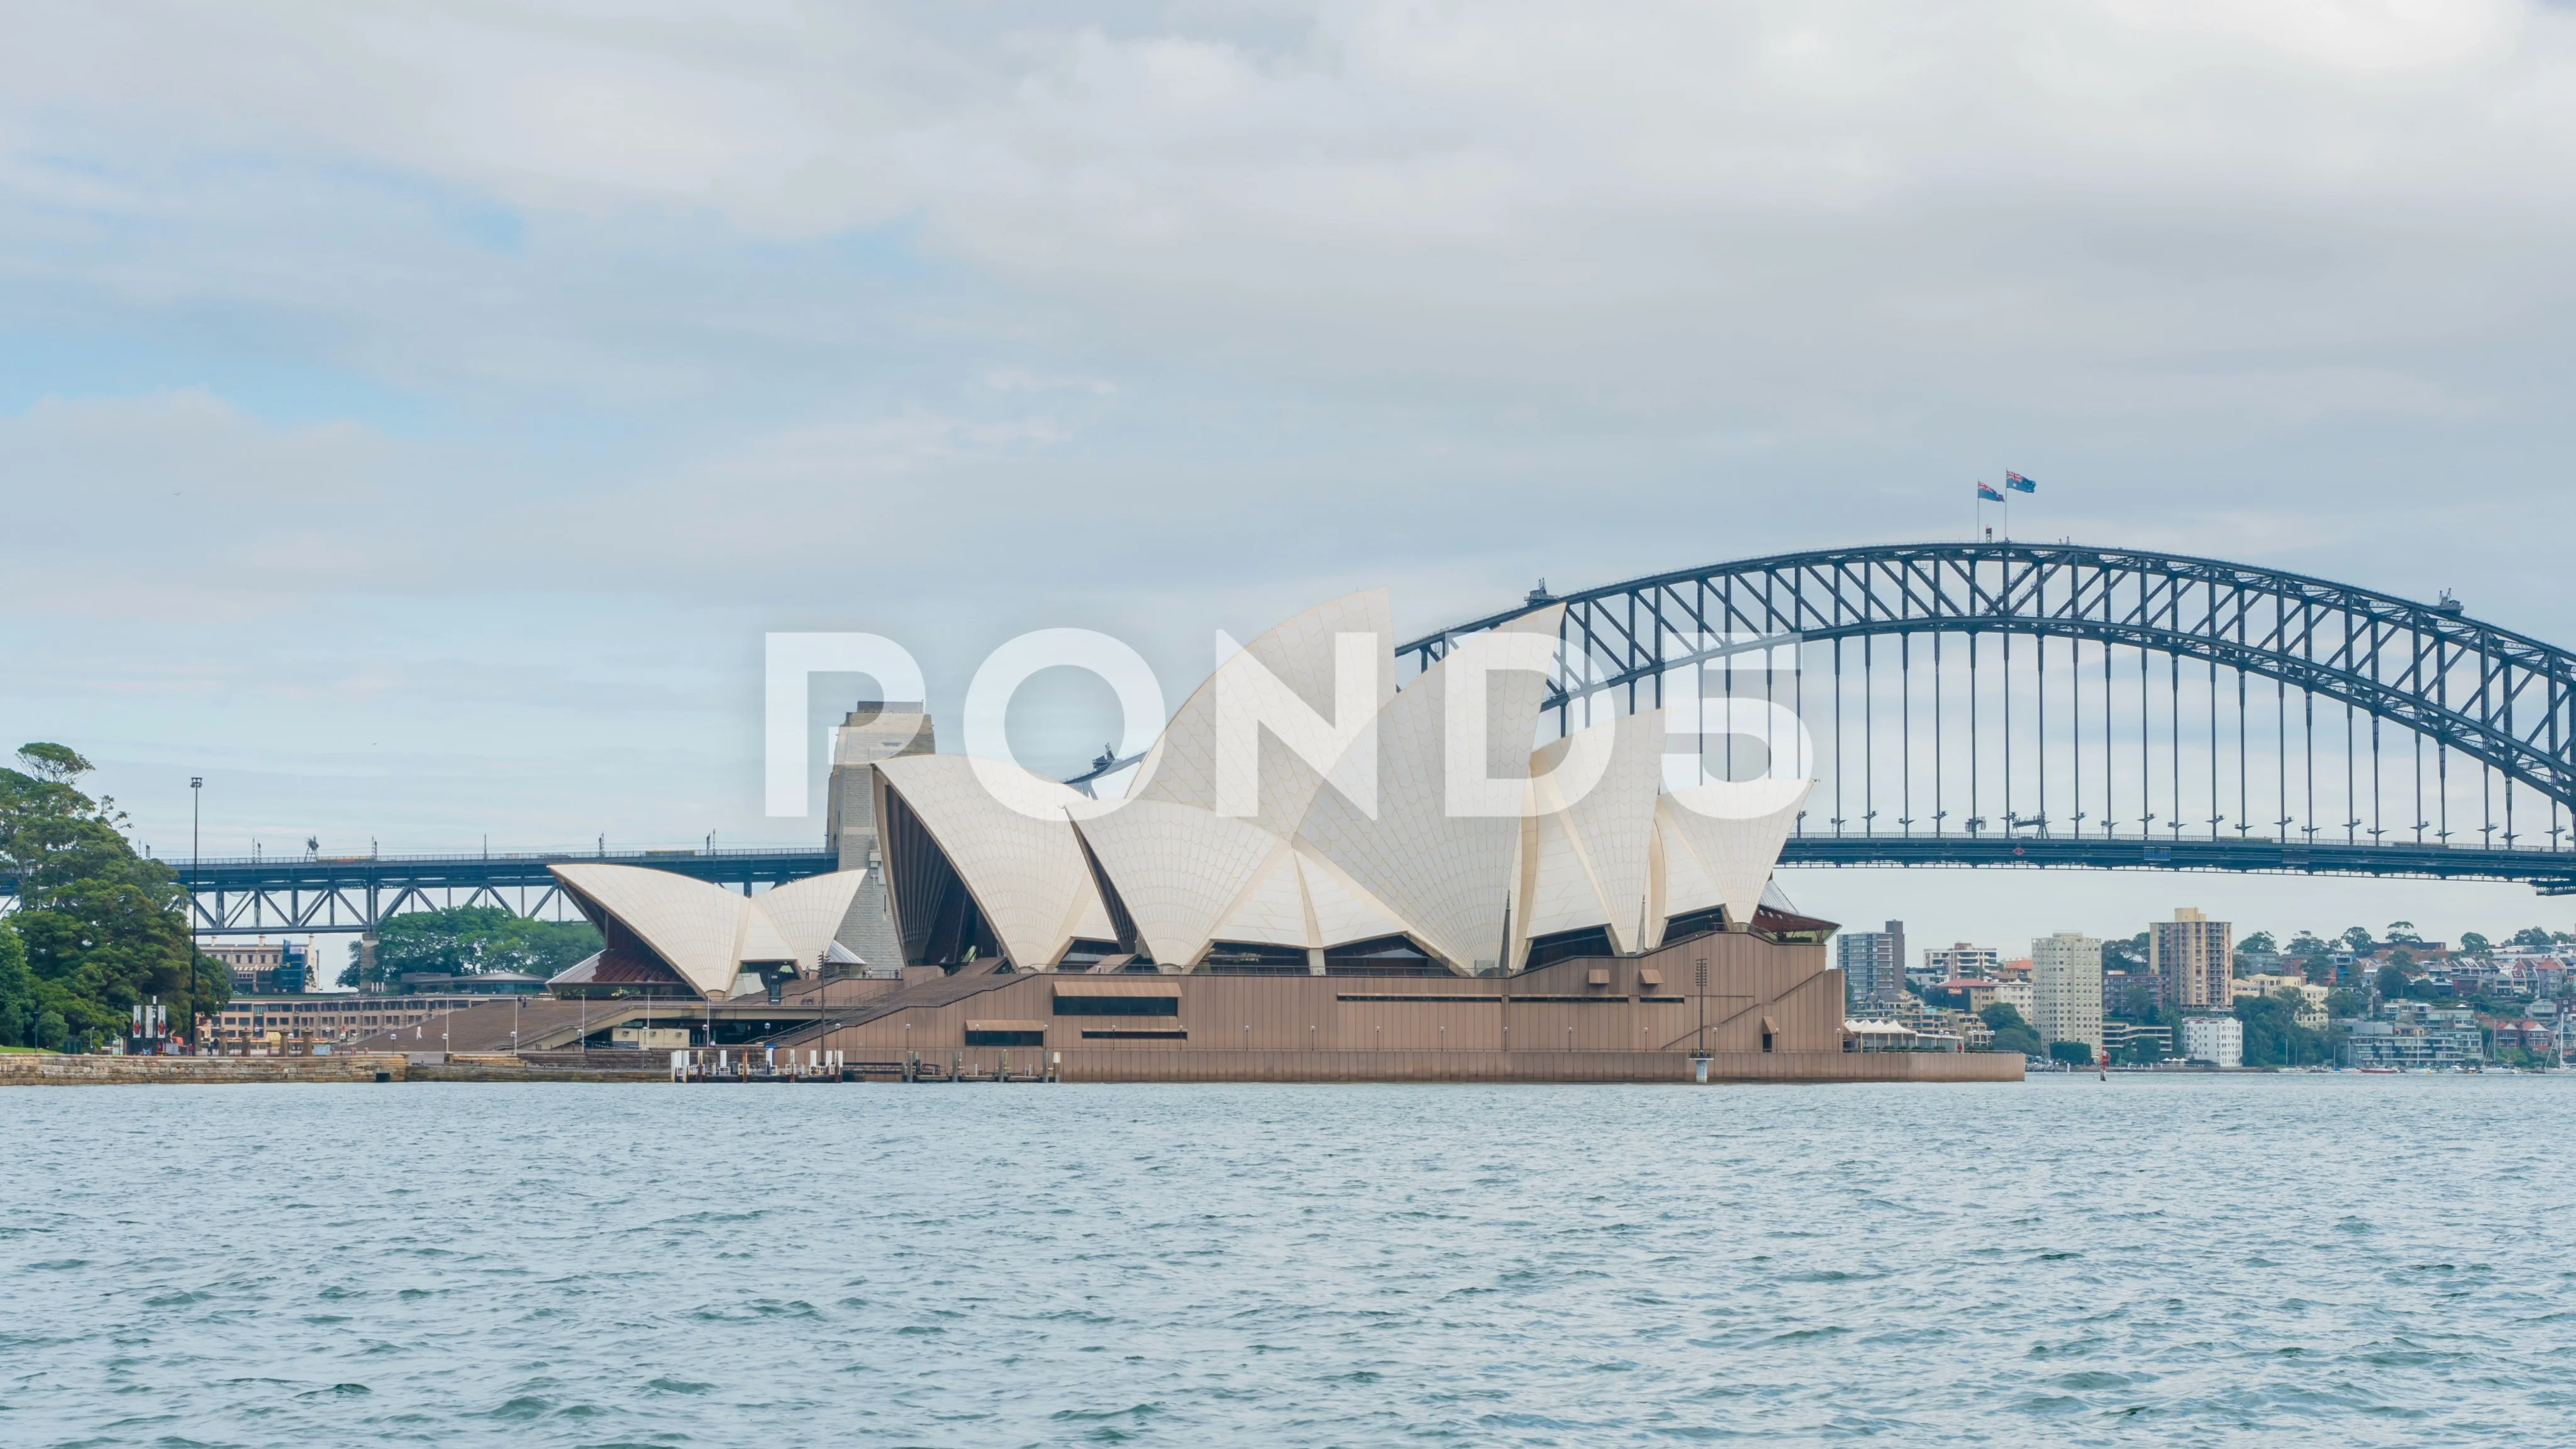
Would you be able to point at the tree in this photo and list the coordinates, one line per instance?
(2356, 939)
(471, 941)
(2404, 931)
(2273, 1036)
(19, 1005)
(2530, 936)
(2340, 1002)
(2258, 944)
(2012, 1034)
(2392, 983)
(2128, 955)
(101, 927)
(2074, 1053)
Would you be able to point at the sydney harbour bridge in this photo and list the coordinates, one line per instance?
(1962, 704)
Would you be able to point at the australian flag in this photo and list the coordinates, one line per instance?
(2019, 484)
(1988, 495)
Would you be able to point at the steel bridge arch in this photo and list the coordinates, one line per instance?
(2494, 695)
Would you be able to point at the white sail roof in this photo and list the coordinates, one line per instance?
(1734, 831)
(1025, 870)
(1447, 876)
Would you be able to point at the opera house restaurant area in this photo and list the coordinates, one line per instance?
(1259, 906)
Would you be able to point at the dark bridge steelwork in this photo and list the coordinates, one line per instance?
(272, 896)
(2058, 704)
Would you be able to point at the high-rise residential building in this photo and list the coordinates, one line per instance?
(1961, 960)
(1873, 965)
(2066, 987)
(2189, 955)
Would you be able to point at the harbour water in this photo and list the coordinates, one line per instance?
(2330, 1260)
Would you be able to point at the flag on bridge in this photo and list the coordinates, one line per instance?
(2018, 483)
(1988, 495)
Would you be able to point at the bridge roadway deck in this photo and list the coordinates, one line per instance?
(2553, 872)
(775, 866)
(239, 897)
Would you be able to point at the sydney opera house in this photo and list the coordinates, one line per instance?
(1311, 874)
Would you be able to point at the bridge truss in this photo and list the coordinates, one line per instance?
(2058, 704)
(299, 896)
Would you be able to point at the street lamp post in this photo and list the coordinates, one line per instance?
(196, 802)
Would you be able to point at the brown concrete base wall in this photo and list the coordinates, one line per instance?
(45, 1070)
(1473, 1066)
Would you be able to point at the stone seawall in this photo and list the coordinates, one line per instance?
(39, 1069)
(31, 1069)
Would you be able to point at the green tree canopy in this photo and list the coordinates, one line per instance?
(2128, 955)
(2273, 1036)
(2012, 1034)
(2357, 939)
(101, 928)
(2404, 931)
(2532, 936)
(2258, 944)
(22, 1011)
(2473, 944)
(470, 941)
(2392, 982)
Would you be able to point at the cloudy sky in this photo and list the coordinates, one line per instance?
(411, 418)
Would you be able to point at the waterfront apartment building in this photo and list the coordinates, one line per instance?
(2312, 998)
(1945, 963)
(2218, 1040)
(2118, 1036)
(1873, 965)
(2066, 987)
(2189, 955)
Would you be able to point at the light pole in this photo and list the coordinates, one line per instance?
(196, 802)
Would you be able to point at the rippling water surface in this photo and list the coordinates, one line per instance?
(2306, 1260)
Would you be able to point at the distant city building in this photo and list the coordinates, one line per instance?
(263, 968)
(2117, 1036)
(2118, 983)
(2189, 955)
(2066, 987)
(2016, 969)
(1873, 964)
(2432, 1041)
(2218, 1040)
(1961, 960)
(1982, 992)
(2312, 1008)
